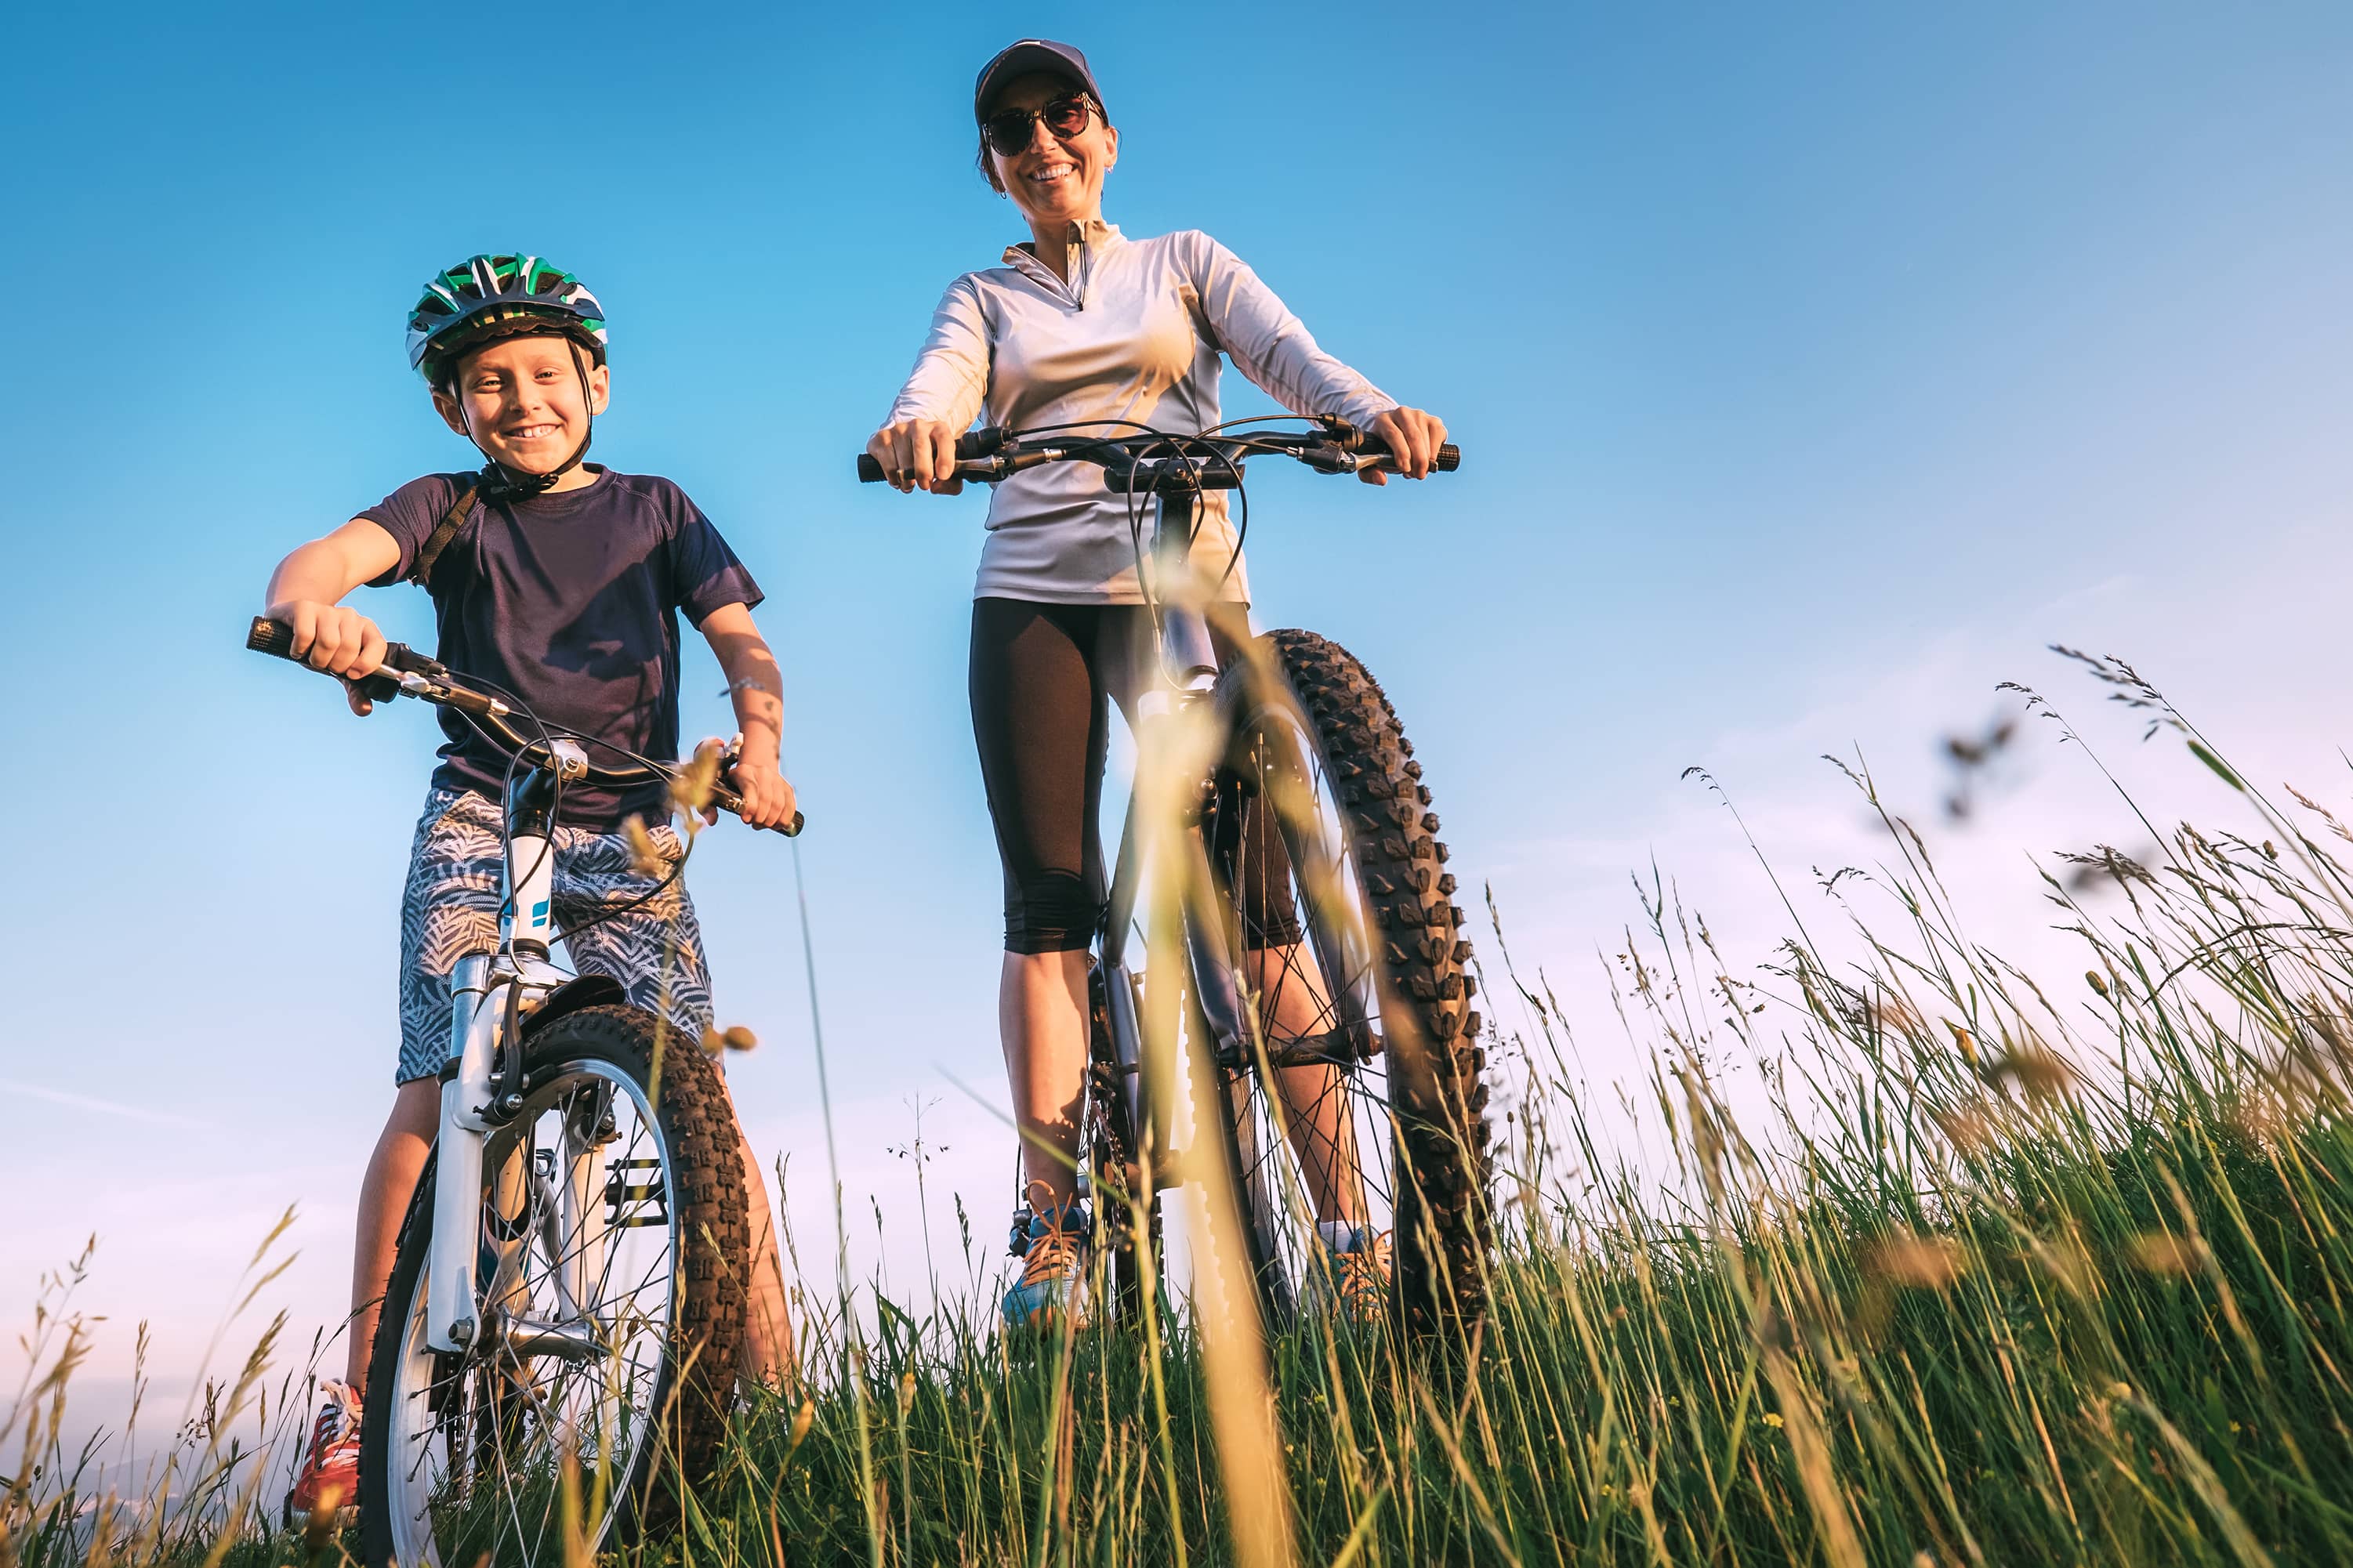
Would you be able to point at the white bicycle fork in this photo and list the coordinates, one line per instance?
(479, 989)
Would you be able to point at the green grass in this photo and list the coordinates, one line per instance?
(2011, 1270)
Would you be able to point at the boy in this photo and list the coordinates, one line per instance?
(559, 580)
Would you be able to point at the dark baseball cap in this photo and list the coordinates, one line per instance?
(1027, 57)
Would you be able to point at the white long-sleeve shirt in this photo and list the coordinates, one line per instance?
(1135, 334)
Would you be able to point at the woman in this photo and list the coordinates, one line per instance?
(1083, 324)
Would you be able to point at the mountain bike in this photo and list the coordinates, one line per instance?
(569, 1287)
(1303, 968)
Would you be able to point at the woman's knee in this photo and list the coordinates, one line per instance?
(1051, 911)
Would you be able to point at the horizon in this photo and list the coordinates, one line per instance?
(1813, 373)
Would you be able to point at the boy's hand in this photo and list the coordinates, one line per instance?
(335, 639)
(768, 799)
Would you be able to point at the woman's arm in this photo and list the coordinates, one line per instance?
(1275, 349)
(304, 590)
(916, 444)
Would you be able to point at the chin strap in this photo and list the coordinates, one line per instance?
(499, 482)
(496, 483)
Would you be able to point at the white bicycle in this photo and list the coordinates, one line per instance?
(568, 1293)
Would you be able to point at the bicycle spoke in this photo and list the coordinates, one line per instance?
(480, 1470)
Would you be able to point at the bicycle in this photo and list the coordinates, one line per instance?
(569, 1285)
(1391, 1054)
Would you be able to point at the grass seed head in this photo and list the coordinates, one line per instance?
(691, 790)
(739, 1038)
(1915, 1262)
(2097, 981)
(802, 1420)
(714, 1043)
(2039, 1073)
(2162, 1252)
(644, 859)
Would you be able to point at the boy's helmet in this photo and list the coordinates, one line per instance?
(487, 297)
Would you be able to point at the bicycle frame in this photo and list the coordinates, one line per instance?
(481, 1082)
(1164, 837)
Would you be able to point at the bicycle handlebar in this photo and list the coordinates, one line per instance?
(405, 672)
(1147, 461)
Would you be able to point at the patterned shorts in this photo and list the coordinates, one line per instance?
(450, 908)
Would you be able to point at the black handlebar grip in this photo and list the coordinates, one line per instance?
(1449, 459)
(273, 637)
(985, 442)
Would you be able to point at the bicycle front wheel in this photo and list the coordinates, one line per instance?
(611, 1261)
(1363, 1107)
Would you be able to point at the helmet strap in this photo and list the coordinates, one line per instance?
(501, 482)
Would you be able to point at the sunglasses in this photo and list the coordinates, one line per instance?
(1008, 129)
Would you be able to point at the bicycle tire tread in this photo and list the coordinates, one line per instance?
(1436, 1064)
(700, 1136)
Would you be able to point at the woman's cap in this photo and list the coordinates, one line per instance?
(1027, 57)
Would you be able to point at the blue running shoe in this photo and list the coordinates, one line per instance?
(1053, 1246)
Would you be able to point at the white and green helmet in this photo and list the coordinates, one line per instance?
(488, 297)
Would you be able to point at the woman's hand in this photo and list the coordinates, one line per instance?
(917, 455)
(1413, 440)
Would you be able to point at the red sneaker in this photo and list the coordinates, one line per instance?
(330, 1477)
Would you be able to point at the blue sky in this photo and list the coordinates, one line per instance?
(1814, 366)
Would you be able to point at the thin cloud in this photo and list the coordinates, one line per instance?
(104, 1107)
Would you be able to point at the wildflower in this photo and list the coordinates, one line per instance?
(1964, 1039)
(1773, 1419)
(2120, 1391)
(2099, 982)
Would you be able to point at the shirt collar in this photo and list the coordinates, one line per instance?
(1091, 232)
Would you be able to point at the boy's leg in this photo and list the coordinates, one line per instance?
(449, 909)
(384, 1194)
(655, 951)
(769, 1354)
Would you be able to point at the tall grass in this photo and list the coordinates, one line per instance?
(2009, 1269)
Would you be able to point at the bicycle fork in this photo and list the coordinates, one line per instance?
(482, 1085)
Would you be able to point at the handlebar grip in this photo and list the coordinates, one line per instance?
(1449, 459)
(985, 442)
(275, 638)
(727, 800)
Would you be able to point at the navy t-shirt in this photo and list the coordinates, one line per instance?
(569, 601)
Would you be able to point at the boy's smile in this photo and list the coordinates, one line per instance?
(521, 401)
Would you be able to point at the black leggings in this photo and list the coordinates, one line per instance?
(1043, 678)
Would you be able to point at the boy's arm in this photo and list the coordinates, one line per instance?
(304, 590)
(756, 686)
